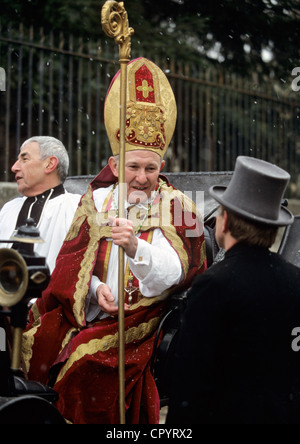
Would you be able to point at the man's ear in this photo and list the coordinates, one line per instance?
(162, 165)
(51, 164)
(113, 166)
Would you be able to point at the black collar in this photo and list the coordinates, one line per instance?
(33, 206)
(56, 191)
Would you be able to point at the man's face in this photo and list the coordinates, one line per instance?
(29, 170)
(142, 169)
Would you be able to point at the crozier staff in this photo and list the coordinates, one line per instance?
(115, 24)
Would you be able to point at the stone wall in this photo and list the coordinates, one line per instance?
(7, 192)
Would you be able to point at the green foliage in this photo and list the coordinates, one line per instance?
(239, 34)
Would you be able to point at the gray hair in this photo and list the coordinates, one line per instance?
(50, 146)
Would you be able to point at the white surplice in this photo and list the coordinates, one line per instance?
(56, 220)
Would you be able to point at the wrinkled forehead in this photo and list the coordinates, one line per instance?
(143, 157)
(31, 149)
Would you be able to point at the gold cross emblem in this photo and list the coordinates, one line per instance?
(145, 89)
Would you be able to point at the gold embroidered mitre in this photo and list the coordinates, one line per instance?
(151, 109)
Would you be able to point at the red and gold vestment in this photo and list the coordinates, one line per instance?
(84, 356)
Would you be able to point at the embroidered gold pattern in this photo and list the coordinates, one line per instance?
(108, 342)
(85, 209)
(145, 126)
(27, 344)
(68, 337)
(145, 89)
(35, 312)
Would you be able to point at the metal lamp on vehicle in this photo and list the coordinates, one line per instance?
(13, 277)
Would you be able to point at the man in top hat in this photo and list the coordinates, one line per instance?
(72, 338)
(234, 362)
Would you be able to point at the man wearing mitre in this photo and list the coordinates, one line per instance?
(72, 339)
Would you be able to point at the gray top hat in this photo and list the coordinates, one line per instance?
(255, 192)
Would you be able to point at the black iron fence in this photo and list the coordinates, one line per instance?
(56, 85)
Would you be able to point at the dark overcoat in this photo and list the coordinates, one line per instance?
(235, 362)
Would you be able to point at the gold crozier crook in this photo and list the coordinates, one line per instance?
(115, 24)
